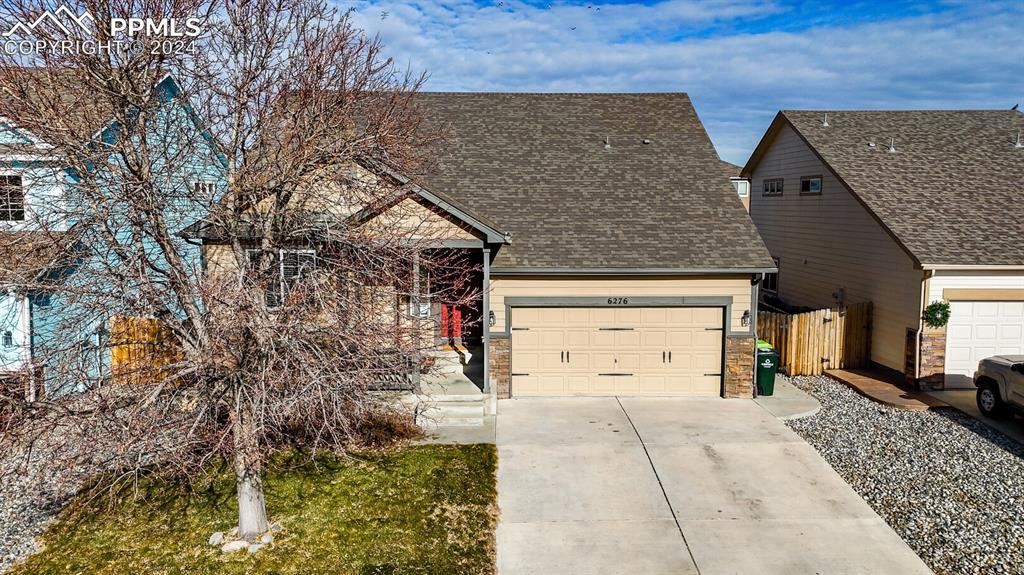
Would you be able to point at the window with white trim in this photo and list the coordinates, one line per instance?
(12, 199)
(742, 187)
(419, 302)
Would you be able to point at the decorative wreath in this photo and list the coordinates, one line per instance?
(936, 314)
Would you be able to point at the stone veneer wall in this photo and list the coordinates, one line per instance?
(500, 365)
(933, 360)
(739, 367)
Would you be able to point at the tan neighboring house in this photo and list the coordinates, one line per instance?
(615, 256)
(902, 209)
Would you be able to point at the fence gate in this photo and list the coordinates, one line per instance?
(141, 349)
(810, 343)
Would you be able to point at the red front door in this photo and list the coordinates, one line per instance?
(451, 321)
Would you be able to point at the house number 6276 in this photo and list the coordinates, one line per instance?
(618, 301)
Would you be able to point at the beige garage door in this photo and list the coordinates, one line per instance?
(617, 351)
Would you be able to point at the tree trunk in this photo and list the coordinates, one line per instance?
(252, 508)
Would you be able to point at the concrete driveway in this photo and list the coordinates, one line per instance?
(675, 486)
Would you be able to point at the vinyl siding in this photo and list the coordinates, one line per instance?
(973, 280)
(830, 241)
(736, 287)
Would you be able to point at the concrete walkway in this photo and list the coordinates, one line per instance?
(674, 486)
(884, 388)
(788, 402)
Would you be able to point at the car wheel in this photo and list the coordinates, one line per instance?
(989, 402)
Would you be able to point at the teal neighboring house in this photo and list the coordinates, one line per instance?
(45, 248)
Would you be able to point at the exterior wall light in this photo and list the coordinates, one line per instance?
(745, 319)
(491, 320)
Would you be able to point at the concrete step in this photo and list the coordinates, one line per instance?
(447, 414)
(444, 411)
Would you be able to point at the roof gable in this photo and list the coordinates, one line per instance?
(593, 181)
(949, 193)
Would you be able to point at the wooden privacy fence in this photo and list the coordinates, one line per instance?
(812, 342)
(141, 348)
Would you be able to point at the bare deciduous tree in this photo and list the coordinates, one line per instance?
(256, 205)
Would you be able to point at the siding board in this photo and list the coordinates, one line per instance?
(829, 242)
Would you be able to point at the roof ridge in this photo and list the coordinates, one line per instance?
(492, 93)
(890, 111)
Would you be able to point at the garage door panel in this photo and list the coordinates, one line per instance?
(577, 338)
(656, 351)
(551, 338)
(656, 317)
(654, 338)
(680, 338)
(979, 329)
(627, 384)
(602, 361)
(650, 383)
(653, 361)
(525, 384)
(603, 383)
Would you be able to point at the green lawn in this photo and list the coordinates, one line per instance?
(425, 509)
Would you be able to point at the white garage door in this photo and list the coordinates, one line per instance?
(617, 351)
(979, 329)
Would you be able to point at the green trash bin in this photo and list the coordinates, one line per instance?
(767, 366)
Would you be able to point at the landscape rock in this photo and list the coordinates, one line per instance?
(217, 538)
(233, 546)
(267, 539)
(275, 527)
(949, 485)
(255, 547)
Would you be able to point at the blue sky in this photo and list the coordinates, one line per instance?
(740, 60)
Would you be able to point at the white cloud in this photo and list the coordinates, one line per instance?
(961, 56)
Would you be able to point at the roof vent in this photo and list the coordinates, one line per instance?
(871, 145)
(892, 145)
(646, 141)
(824, 122)
(1020, 143)
(607, 143)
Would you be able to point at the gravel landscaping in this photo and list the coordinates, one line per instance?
(26, 506)
(952, 487)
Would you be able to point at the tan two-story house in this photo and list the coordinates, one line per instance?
(902, 209)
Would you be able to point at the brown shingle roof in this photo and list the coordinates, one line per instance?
(537, 166)
(953, 191)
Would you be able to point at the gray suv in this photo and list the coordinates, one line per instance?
(1000, 383)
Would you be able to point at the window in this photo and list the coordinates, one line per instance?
(8, 339)
(291, 267)
(12, 199)
(419, 301)
(771, 281)
(772, 187)
(742, 187)
(810, 186)
(207, 189)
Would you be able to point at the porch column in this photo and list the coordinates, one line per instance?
(486, 313)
